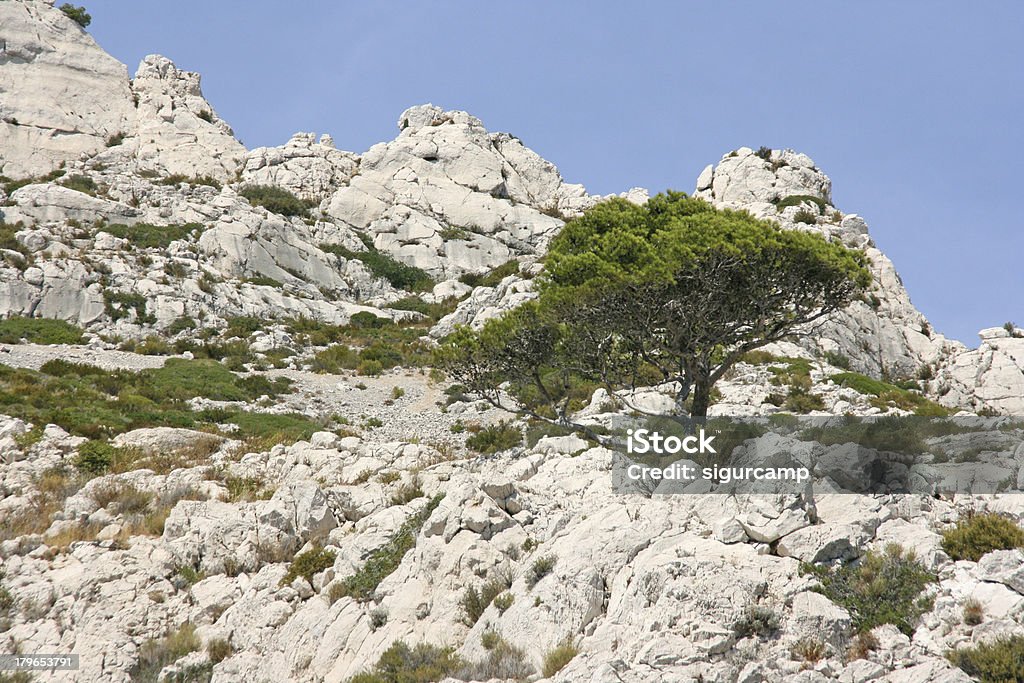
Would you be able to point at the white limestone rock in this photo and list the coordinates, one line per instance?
(308, 169)
(177, 130)
(79, 95)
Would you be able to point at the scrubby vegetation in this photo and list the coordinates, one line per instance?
(995, 662)
(76, 14)
(149, 236)
(474, 601)
(385, 266)
(882, 588)
(978, 534)
(756, 620)
(383, 561)
(308, 564)
(493, 278)
(403, 664)
(559, 657)
(888, 395)
(798, 199)
(96, 403)
(371, 345)
(157, 653)
(494, 438)
(540, 568)
(39, 331)
(276, 200)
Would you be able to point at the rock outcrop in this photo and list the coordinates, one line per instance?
(61, 95)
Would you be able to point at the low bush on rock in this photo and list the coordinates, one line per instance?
(178, 179)
(156, 653)
(475, 602)
(81, 183)
(385, 266)
(384, 560)
(882, 588)
(504, 661)
(888, 395)
(308, 564)
(978, 534)
(756, 620)
(559, 657)
(149, 236)
(76, 14)
(39, 331)
(403, 664)
(541, 567)
(493, 278)
(276, 200)
(995, 662)
(495, 438)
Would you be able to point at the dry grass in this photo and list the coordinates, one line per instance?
(53, 487)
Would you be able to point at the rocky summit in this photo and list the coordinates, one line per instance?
(225, 454)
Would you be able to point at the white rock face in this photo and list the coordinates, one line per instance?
(177, 130)
(991, 376)
(306, 168)
(78, 98)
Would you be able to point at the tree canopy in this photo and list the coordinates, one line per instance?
(670, 292)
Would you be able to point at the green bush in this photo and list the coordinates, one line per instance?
(178, 179)
(385, 266)
(76, 14)
(434, 311)
(474, 601)
(979, 534)
(383, 561)
(370, 368)
(756, 620)
(996, 662)
(276, 200)
(334, 359)
(95, 457)
(308, 564)
(798, 199)
(403, 664)
(805, 216)
(837, 359)
(883, 588)
(263, 281)
(156, 653)
(560, 656)
(120, 305)
(540, 568)
(493, 278)
(39, 331)
(887, 395)
(80, 183)
(495, 438)
(149, 236)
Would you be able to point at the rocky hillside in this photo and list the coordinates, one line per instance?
(223, 456)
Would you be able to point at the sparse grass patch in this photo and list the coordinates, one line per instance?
(811, 650)
(474, 601)
(156, 653)
(887, 395)
(495, 438)
(81, 183)
(798, 199)
(974, 612)
(559, 657)
(149, 236)
(756, 620)
(308, 564)
(493, 278)
(178, 179)
(978, 534)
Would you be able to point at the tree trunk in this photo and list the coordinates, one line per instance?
(701, 400)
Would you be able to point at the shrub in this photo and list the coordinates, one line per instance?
(384, 560)
(397, 393)
(764, 153)
(178, 179)
(206, 115)
(475, 602)
(559, 657)
(218, 649)
(407, 493)
(39, 331)
(504, 661)
(263, 281)
(541, 567)
(800, 400)
(120, 305)
(494, 438)
(503, 602)
(798, 199)
(809, 650)
(493, 278)
(979, 534)
(862, 644)
(403, 664)
(308, 564)
(80, 183)
(995, 662)
(973, 613)
(149, 236)
(805, 216)
(127, 499)
(156, 653)
(370, 368)
(756, 620)
(76, 14)
(837, 359)
(276, 200)
(95, 457)
(889, 394)
(883, 588)
(385, 266)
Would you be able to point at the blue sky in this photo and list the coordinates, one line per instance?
(913, 107)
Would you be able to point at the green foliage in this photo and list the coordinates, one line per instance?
(624, 289)
(798, 199)
(178, 179)
(403, 664)
(156, 653)
(889, 395)
(997, 662)
(756, 620)
(837, 359)
(181, 379)
(384, 560)
(115, 139)
(308, 564)
(120, 305)
(474, 601)
(76, 14)
(493, 278)
(495, 438)
(80, 183)
(95, 457)
(434, 311)
(381, 345)
(263, 281)
(559, 657)
(883, 588)
(206, 115)
(385, 266)
(805, 216)
(149, 236)
(276, 200)
(11, 185)
(39, 331)
(540, 568)
(978, 534)
(455, 232)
